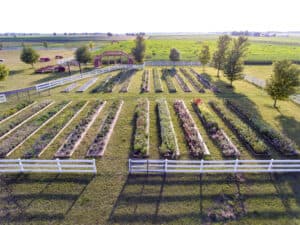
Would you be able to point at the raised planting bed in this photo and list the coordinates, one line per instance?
(243, 132)
(145, 87)
(102, 86)
(51, 130)
(205, 82)
(11, 112)
(167, 76)
(99, 144)
(70, 88)
(214, 131)
(10, 126)
(77, 134)
(141, 136)
(169, 146)
(197, 146)
(108, 85)
(274, 138)
(125, 80)
(17, 138)
(157, 82)
(192, 80)
(87, 85)
(182, 83)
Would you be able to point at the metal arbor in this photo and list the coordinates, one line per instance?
(113, 56)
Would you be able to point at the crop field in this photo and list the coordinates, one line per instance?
(115, 118)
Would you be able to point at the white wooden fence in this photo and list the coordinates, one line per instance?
(47, 166)
(212, 166)
(171, 63)
(3, 98)
(70, 79)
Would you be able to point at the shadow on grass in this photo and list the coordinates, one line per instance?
(147, 199)
(26, 206)
(290, 127)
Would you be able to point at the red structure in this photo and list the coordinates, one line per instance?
(112, 57)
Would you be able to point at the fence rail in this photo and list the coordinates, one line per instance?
(47, 166)
(171, 63)
(2, 98)
(210, 166)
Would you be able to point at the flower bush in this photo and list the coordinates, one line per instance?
(245, 134)
(52, 129)
(182, 83)
(167, 76)
(15, 109)
(193, 138)
(192, 80)
(168, 147)
(213, 130)
(277, 140)
(125, 80)
(205, 82)
(75, 135)
(145, 82)
(141, 136)
(157, 82)
(14, 139)
(97, 148)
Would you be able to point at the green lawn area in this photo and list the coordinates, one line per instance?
(113, 197)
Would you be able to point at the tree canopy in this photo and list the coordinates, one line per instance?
(204, 56)
(139, 50)
(283, 82)
(29, 56)
(91, 45)
(4, 72)
(174, 55)
(234, 64)
(83, 55)
(220, 54)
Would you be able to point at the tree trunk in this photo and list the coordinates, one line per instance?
(218, 73)
(231, 83)
(69, 69)
(79, 67)
(275, 101)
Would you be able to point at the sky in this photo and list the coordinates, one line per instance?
(121, 16)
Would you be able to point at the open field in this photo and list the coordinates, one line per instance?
(113, 197)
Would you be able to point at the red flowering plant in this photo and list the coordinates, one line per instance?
(198, 101)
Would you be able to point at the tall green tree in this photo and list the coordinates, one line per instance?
(204, 56)
(174, 55)
(139, 50)
(29, 56)
(234, 61)
(4, 72)
(91, 45)
(82, 55)
(283, 82)
(220, 54)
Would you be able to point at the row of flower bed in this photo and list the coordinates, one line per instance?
(87, 85)
(192, 80)
(246, 135)
(52, 129)
(126, 78)
(205, 82)
(12, 141)
(70, 88)
(157, 81)
(145, 87)
(75, 136)
(167, 76)
(214, 131)
(141, 135)
(169, 146)
(275, 139)
(11, 111)
(20, 118)
(197, 146)
(97, 148)
(182, 83)
(108, 85)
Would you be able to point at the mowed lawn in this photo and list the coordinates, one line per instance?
(113, 197)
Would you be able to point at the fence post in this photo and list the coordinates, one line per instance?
(58, 165)
(236, 165)
(21, 165)
(129, 166)
(201, 166)
(147, 167)
(166, 166)
(270, 165)
(95, 168)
